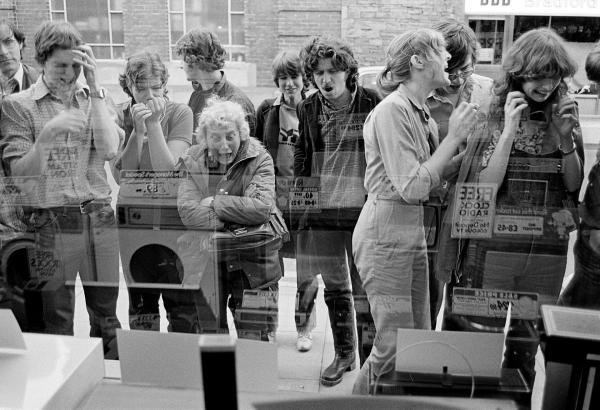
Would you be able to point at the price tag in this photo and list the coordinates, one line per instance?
(494, 303)
(151, 184)
(519, 225)
(305, 195)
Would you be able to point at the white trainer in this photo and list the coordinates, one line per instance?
(304, 342)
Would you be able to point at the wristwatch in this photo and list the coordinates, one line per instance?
(98, 94)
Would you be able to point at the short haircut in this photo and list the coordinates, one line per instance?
(18, 34)
(142, 66)
(201, 48)
(218, 113)
(342, 58)
(592, 65)
(287, 64)
(53, 35)
(461, 42)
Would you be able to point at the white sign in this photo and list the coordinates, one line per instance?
(563, 8)
(151, 184)
(494, 303)
(474, 206)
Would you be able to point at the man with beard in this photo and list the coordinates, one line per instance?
(203, 61)
(60, 133)
(329, 162)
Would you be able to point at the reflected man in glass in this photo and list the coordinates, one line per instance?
(329, 167)
(59, 133)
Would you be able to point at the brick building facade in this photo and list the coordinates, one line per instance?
(269, 25)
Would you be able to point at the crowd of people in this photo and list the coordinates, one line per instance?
(363, 179)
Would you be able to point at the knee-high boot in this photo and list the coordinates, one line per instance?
(341, 316)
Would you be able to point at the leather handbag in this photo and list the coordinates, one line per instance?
(271, 234)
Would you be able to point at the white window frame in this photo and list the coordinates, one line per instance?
(109, 12)
(229, 47)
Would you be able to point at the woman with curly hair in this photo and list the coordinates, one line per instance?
(231, 183)
(531, 153)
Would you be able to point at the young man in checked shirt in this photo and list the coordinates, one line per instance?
(58, 135)
(330, 152)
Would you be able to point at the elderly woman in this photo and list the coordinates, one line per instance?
(404, 164)
(531, 151)
(232, 182)
(157, 132)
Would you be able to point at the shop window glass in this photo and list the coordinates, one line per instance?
(490, 34)
(525, 23)
(577, 29)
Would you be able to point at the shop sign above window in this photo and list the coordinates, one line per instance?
(572, 8)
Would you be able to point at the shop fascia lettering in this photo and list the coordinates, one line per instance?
(571, 8)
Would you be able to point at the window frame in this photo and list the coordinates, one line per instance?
(229, 46)
(109, 13)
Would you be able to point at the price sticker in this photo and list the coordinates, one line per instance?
(494, 303)
(519, 225)
(151, 184)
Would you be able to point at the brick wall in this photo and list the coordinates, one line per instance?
(369, 25)
(146, 26)
(275, 25)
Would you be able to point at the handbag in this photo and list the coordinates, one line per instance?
(271, 234)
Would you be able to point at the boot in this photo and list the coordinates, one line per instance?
(341, 316)
(333, 374)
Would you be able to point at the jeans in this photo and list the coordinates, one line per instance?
(70, 243)
(584, 289)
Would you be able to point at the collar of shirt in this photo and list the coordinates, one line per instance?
(423, 109)
(216, 86)
(464, 93)
(327, 105)
(19, 76)
(41, 90)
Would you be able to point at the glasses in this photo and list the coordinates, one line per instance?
(464, 74)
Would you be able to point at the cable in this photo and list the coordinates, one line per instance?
(429, 342)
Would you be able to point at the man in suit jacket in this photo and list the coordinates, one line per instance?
(16, 76)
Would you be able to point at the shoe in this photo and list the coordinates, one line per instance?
(335, 372)
(304, 342)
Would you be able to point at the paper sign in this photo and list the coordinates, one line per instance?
(474, 208)
(159, 359)
(151, 184)
(11, 337)
(494, 303)
(305, 195)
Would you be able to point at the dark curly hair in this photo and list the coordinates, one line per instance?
(342, 58)
(141, 66)
(53, 35)
(201, 48)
